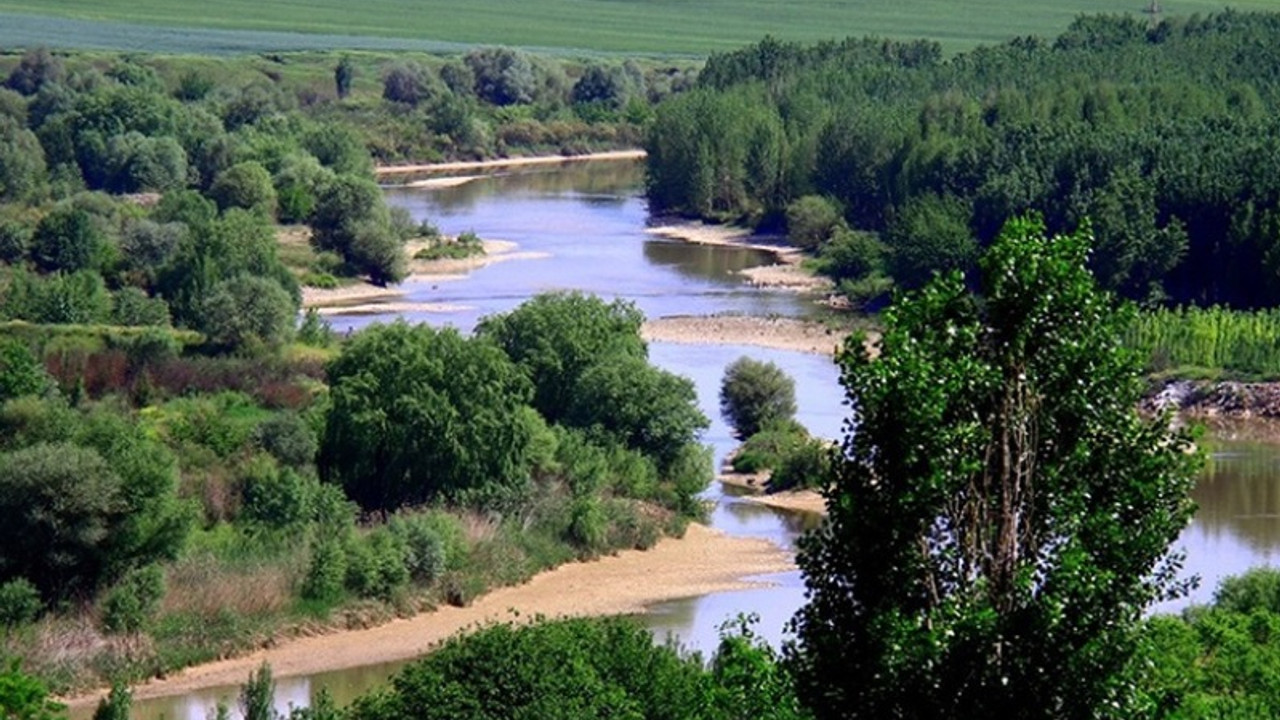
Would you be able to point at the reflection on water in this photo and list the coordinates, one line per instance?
(704, 261)
(599, 182)
(1237, 522)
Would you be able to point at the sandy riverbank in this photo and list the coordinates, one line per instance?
(499, 163)
(778, 333)
(703, 561)
(366, 298)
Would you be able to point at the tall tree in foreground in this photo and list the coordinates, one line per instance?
(1002, 515)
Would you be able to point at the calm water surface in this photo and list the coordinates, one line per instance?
(590, 219)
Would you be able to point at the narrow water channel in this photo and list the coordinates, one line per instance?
(588, 221)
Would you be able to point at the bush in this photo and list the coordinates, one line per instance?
(424, 551)
(806, 465)
(20, 372)
(131, 604)
(754, 394)
(19, 602)
(376, 565)
(765, 449)
(277, 497)
(248, 186)
(327, 573)
(581, 668)
(117, 705)
(258, 695)
(288, 438)
(812, 220)
(23, 697)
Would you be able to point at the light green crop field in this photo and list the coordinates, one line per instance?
(653, 27)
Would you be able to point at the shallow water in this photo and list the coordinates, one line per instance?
(591, 219)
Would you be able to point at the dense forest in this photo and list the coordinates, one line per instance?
(893, 161)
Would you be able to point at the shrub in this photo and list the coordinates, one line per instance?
(131, 604)
(19, 602)
(806, 465)
(288, 438)
(248, 186)
(376, 565)
(326, 575)
(277, 497)
(812, 220)
(424, 551)
(20, 372)
(754, 394)
(117, 705)
(258, 695)
(765, 449)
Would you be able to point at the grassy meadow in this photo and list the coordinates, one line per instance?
(611, 26)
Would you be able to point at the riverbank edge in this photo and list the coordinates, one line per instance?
(702, 562)
(1216, 399)
(503, 163)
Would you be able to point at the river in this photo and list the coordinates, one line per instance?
(589, 221)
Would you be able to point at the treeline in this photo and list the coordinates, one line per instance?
(147, 523)
(892, 162)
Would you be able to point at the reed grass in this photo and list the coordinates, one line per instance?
(1191, 341)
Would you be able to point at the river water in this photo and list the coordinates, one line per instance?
(589, 221)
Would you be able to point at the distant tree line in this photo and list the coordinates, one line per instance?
(892, 162)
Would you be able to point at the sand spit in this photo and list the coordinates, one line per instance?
(500, 163)
(770, 332)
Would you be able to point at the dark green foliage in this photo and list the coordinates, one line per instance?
(556, 337)
(61, 298)
(1157, 132)
(258, 695)
(15, 240)
(351, 220)
(23, 697)
(117, 705)
(247, 186)
(806, 464)
(419, 413)
(278, 497)
(376, 565)
(137, 163)
(424, 550)
(248, 312)
(343, 73)
(37, 69)
(22, 162)
(755, 394)
(409, 83)
(19, 602)
(58, 506)
(929, 234)
(749, 677)
(811, 221)
(1257, 589)
(67, 240)
(132, 603)
(288, 438)
(563, 669)
(611, 87)
(20, 372)
(131, 306)
(327, 573)
(645, 408)
(503, 76)
(765, 449)
(998, 473)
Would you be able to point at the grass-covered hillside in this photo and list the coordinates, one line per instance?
(661, 26)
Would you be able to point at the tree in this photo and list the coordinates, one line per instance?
(419, 413)
(754, 394)
(37, 69)
(811, 221)
(503, 76)
(67, 239)
(23, 697)
(645, 408)
(351, 219)
(556, 337)
(409, 83)
(1002, 515)
(22, 163)
(248, 312)
(343, 74)
(248, 186)
(20, 372)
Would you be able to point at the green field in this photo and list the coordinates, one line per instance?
(612, 26)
